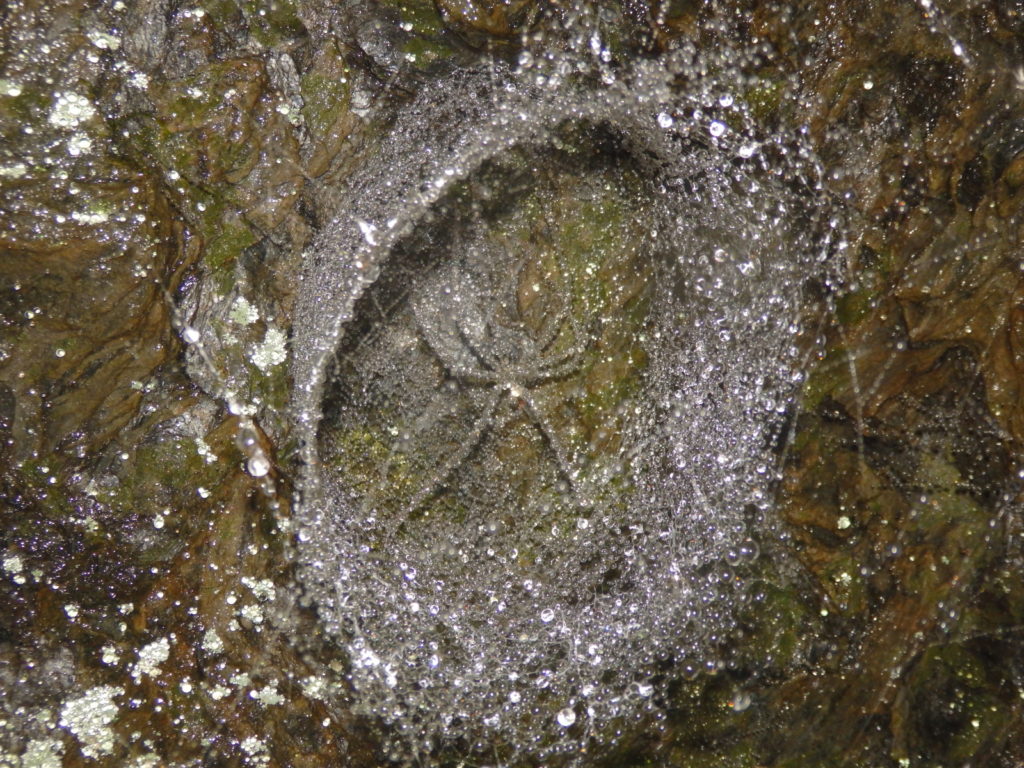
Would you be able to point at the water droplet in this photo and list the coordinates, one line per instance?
(369, 231)
(567, 717)
(258, 464)
(717, 128)
(740, 701)
(749, 550)
(547, 615)
(665, 120)
(190, 334)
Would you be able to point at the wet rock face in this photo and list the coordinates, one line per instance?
(547, 370)
(538, 376)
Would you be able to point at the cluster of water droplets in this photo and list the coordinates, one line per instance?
(507, 557)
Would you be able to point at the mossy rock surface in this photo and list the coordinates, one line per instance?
(159, 166)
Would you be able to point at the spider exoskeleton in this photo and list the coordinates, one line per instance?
(470, 314)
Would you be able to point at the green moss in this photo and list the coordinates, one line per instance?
(845, 584)
(224, 232)
(274, 22)
(165, 471)
(424, 51)
(705, 723)
(943, 503)
(779, 621)
(855, 306)
(427, 41)
(224, 249)
(224, 13)
(226, 235)
(50, 499)
(272, 387)
(386, 477)
(369, 460)
(827, 377)
(325, 98)
(28, 106)
(421, 15)
(765, 97)
(951, 694)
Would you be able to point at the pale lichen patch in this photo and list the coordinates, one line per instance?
(212, 642)
(104, 41)
(88, 718)
(15, 567)
(315, 687)
(151, 657)
(13, 171)
(255, 751)
(42, 753)
(109, 655)
(243, 313)
(267, 695)
(263, 589)
(9, 88)
(219, 692)
(271, 351)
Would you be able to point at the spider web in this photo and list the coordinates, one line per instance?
(780, 509)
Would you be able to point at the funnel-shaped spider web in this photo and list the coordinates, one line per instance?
(471, 315)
